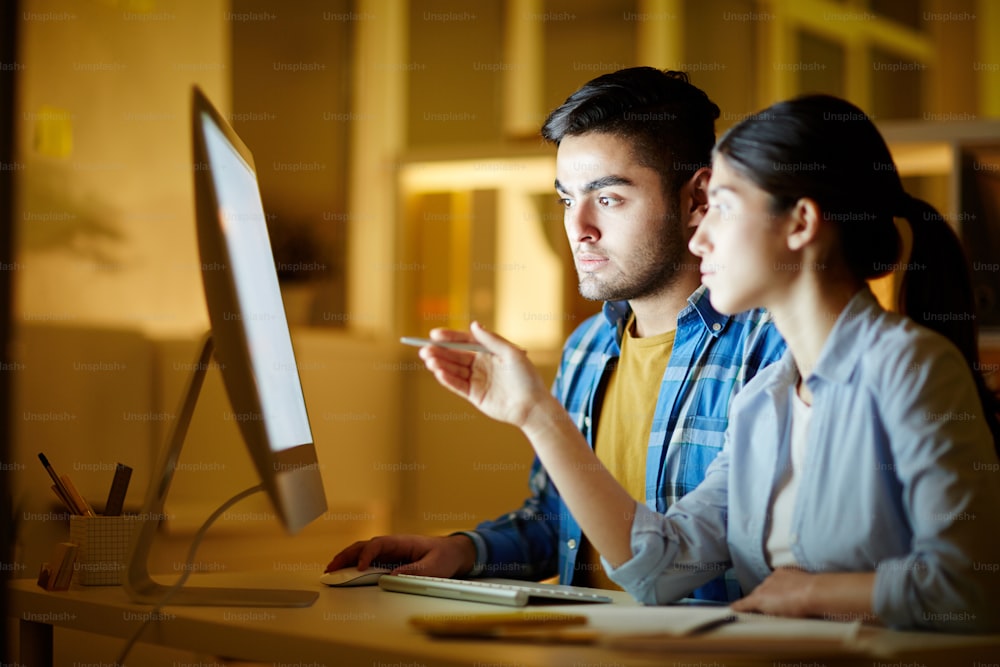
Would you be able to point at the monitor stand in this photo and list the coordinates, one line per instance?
(139, 585)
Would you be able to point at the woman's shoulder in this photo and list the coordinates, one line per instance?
(892, 342)
(907, 367)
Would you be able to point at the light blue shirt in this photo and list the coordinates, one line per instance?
(900, 479)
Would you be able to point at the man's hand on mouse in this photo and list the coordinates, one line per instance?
(451, 556)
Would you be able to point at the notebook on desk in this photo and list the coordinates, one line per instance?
(509, 593)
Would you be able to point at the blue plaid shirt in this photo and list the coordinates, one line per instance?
(713, 357)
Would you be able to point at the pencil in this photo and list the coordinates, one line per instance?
(77, 497)
(421, 342)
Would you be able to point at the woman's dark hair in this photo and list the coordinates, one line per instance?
(669, 123)
(826, 149)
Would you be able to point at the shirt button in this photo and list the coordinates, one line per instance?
(586, 421)
(716, 326)
(571, 543)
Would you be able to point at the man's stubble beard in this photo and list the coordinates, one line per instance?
(653, 269)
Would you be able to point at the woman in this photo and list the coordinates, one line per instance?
(859, 477)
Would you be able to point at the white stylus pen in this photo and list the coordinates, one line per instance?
(420, 342)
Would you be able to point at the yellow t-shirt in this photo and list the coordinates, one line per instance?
(623, 429)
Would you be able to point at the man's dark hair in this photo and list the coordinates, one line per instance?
(669, 123)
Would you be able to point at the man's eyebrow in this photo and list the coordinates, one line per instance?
(603, 182)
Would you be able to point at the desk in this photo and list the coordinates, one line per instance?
(367, 626)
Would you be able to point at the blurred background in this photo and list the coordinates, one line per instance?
(397, 149)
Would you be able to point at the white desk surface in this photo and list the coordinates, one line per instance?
(368, 626)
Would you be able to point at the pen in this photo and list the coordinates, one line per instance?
(420, 342)
(66, 490)
(60, 487)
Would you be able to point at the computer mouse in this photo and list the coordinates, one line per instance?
(351, 576)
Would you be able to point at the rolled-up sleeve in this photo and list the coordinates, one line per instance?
(674, 553)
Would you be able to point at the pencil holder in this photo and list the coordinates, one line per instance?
(103, 542)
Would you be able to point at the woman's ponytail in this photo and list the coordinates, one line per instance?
(937, 291)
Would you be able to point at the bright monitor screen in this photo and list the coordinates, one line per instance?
(249, 331)
(261, 313)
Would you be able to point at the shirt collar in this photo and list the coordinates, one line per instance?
(844, 346)
(713, 320)
(617, 314)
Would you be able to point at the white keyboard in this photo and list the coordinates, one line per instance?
(510, 593)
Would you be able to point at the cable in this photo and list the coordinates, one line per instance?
(188, 566)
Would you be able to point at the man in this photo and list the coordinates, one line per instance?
(631, 170)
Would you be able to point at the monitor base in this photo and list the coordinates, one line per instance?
(152, 592)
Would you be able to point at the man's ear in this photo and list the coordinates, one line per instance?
(699, 187)
(694, 196)
(804, 223)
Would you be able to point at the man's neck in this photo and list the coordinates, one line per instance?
(657, 313)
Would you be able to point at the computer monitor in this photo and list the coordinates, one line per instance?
(250, 338)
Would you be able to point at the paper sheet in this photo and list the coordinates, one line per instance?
(673, 621)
